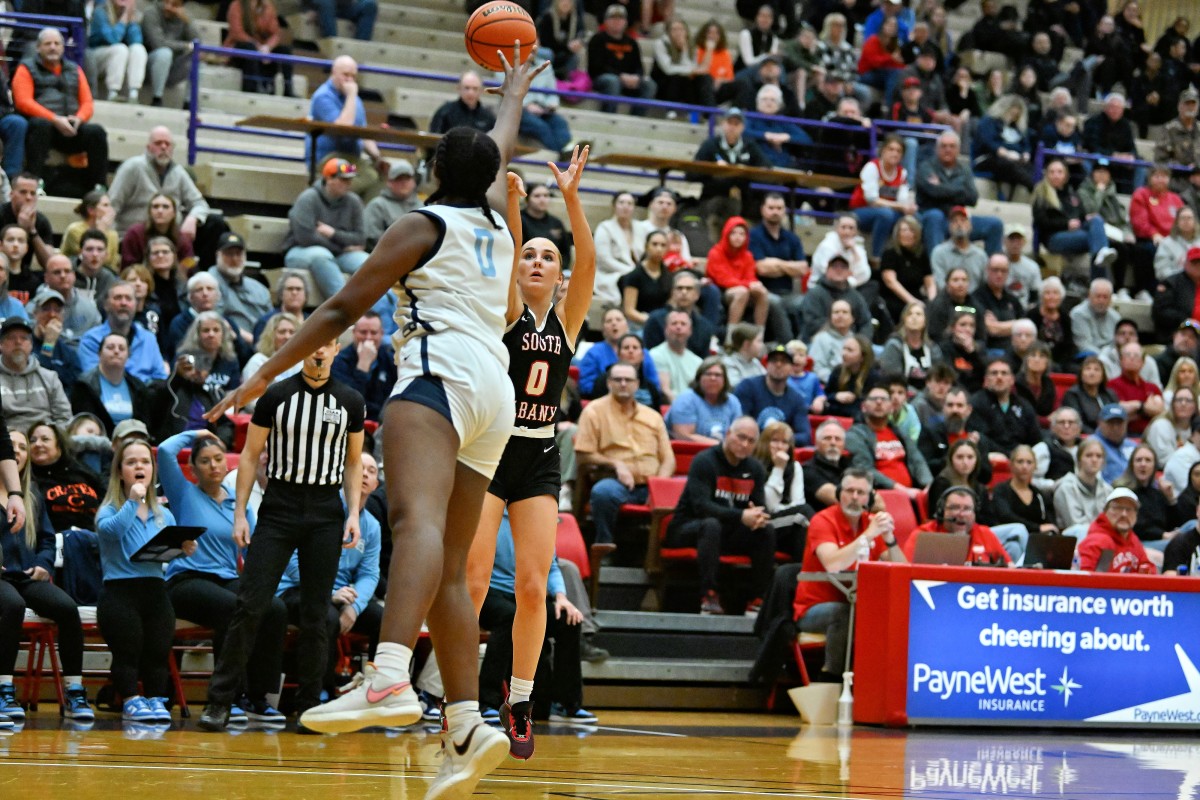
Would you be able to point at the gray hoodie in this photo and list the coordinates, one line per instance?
(32, 395)
(385, 209)
(344, 215)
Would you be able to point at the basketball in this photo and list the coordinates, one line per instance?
(496, 26)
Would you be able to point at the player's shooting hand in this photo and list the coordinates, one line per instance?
(517, 78)
(568, 181)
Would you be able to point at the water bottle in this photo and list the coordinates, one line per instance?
(846, 701)
(978, 554)
(864, 550)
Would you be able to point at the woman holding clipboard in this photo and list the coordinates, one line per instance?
(134, 611)
(203, 587)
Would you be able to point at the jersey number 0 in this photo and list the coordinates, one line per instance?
(485, 240)
(539, 374)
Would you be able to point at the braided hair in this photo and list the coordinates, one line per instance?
(465, 163)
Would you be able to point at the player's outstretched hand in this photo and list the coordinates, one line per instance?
(515, 185)
(520, 77)
(568, 180)
(248, 392)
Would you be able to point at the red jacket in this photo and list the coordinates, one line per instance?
(728, 267)
(980, 535)
(1128, 553)
(1150, 214)
(875, 57)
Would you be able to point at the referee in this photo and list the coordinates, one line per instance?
(312, 429)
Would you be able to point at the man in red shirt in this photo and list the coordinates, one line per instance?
(835, 537)
(1113, 530)
(958, 507)
(878, 448)
(1142, 400)
(52, 93)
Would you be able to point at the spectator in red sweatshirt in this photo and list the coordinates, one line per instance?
(1152, 210)
(881, 65)
(731, 268)
(52, 93)
(1113, 530)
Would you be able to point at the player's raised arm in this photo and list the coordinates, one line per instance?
(583, 275)
(516, 190)
(508, 117)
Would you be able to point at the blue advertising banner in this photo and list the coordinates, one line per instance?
(1046, 654)
(939, 765)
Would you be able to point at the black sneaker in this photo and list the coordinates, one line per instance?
(263, 712)
(518, 725)
(215, 717)
(590, 652)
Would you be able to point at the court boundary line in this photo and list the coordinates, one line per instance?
(395, 776)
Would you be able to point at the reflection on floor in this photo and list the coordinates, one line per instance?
(634, 755)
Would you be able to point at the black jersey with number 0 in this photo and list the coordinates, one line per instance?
(538, 364)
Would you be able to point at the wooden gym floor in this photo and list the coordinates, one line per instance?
(631, 755)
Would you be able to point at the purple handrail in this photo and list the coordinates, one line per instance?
(67, 25)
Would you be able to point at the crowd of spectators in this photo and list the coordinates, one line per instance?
(920, 347)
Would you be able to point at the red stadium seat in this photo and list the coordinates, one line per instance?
(1001, 471)
(805, 454)
(1062, 382)
(241, 424)
(684, 452)
(568, 544)
(816, 419)
(923, 506)
(901, 509)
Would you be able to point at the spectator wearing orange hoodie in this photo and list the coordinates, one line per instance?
(731, 268)
(1113, 530)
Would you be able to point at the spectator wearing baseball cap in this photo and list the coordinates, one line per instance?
(28, 391)
(1024, 274)
(768, 397)
(729, 144)
(1185, 341)
(614, 61)
(325, 234)
(1113, 530)
(1178, 297)
(49, 344)
(397, 199)
(1179, 140)
(1110, 432)
(244, 300)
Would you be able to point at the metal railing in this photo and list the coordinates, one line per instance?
(72, 29)
(196, 123)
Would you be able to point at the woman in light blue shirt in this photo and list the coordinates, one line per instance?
(704, 412)
(134, 611)
(203, 587)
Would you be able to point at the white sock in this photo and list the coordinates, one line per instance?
(393, 660)
(519, 690)
(72, 680)
(5, 679)
(461, 717)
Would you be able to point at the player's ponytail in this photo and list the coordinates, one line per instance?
(466, 163)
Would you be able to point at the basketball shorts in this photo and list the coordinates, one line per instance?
(529, 468)
(459, 378)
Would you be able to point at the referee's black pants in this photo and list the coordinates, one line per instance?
(308, 520)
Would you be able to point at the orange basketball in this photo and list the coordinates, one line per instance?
(496, 26)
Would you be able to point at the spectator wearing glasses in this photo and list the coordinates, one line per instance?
(620, 436)
(723, 510)
(878, 448)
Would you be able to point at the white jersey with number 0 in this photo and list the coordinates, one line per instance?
(462, 284)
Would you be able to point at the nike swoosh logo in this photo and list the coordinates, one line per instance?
(548, 449)
(376, 697)
(462, 749)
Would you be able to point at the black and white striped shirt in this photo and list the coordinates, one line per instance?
(308, 429)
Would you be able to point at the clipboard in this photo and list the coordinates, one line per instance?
(167, 544)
